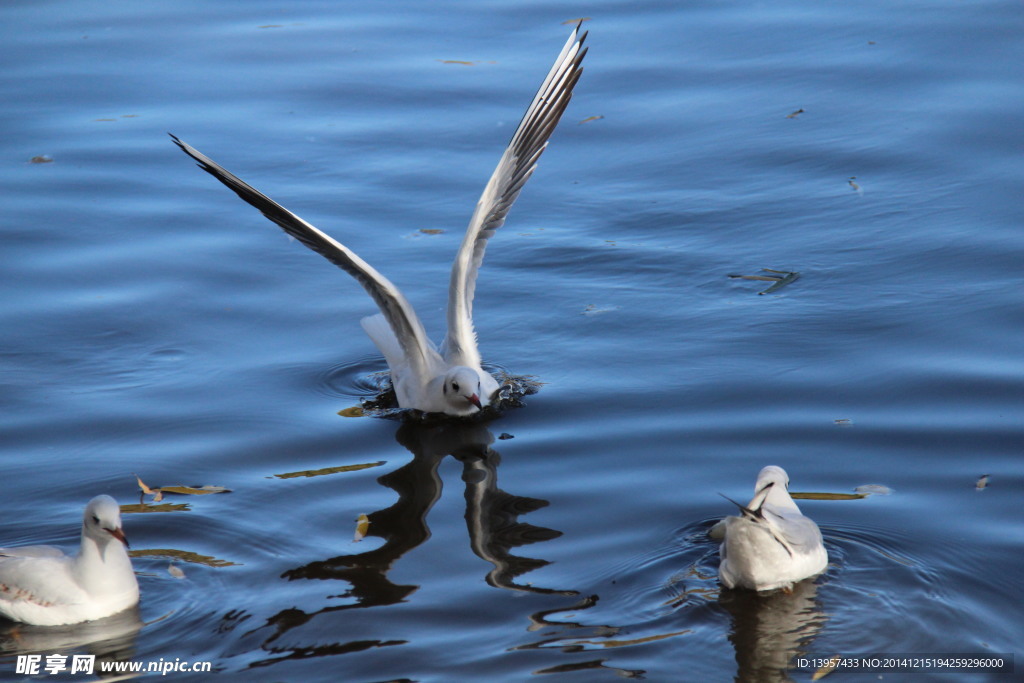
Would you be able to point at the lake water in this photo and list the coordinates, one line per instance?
(155, 325)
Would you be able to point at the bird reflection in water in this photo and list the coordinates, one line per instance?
(111, 639)
(770, 629)
(492, 520)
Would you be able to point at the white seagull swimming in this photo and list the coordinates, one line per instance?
(449, 380)
(41, 585)
(770, 545)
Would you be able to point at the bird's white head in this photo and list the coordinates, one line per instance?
(462, 391)
(776, 478)
(102, 521)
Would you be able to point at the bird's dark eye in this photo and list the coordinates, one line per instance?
(95, 519)
(455, 386)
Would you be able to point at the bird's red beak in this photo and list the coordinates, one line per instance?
(475, 400)
(119, 535)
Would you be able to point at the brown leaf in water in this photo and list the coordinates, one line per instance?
(183, 555)
(194, 490)
(329, 470)
(354, 411)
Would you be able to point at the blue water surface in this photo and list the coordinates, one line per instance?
(155, 325)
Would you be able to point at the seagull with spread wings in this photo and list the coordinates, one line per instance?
(448, 380)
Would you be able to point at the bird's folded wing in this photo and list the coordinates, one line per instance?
(45, 581)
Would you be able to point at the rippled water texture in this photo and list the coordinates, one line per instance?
(154, 325)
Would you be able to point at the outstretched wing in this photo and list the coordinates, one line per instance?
(514, 169)
(404, 322)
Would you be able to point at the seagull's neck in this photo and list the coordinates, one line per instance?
(102, 569)
(780, 499)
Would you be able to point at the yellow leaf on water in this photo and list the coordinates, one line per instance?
(456, 61)
(175, 571)
(592, 118)
(826, 669)
(184, 556)
(362, 526)
(354, 411)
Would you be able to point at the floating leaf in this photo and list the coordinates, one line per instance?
(854, 185)
(593, 309)
(795, 114)
(592, 118)
(41, 159)
(827, 668)
(827, 496)
(354, 411)
(184, 556)
(175, 571)
(431, 231)
(982, 482)
(193, 490)
(145, 489)
(166, 507)
(790, 278)
(783, 278)
(763, 278)
(874, 489)
(456, 61)
(362, 526)
(844, 422)
(579, 20)
(329, 470)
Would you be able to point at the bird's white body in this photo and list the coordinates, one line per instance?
(771, 544)
(448, 380)
(41, 585)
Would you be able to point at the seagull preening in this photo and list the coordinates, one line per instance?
(771, 544)
(449, 380)
(41, 585)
